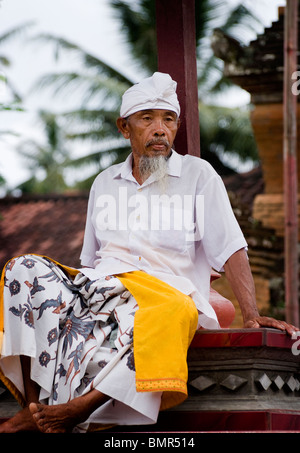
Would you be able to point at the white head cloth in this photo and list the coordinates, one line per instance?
(155, 92)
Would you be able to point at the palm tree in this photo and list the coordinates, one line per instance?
(101, 85)
(138, 25)
(51, 157)
(98, 85)
(6, 85)
(5, 63)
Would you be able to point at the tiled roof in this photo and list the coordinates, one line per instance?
(49, 225)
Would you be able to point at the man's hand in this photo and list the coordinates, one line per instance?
(264, 321)
(238, 273)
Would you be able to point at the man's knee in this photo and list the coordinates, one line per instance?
(21, 262)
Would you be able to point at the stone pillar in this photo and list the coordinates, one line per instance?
(267, 123)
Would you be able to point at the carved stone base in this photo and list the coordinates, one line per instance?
(245, 379)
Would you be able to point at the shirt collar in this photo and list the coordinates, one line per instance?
(175, 164)
(174, 167)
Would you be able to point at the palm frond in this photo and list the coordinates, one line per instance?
(88, 60)
(89, 116)
(207, 14)
(15, 31)
(139, 29)
(239, 20)
(227, 130)
(4, 61)
(102, 159)
(90, 125)
(111, 154)
(90, 135)
(90, 86)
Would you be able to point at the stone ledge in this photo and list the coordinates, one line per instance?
(243, 369)
(241, 338)
(239, 379)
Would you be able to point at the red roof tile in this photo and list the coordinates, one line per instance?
(49, 225)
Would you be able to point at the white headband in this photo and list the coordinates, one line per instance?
(156, 92)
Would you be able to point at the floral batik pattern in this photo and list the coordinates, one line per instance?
(72, 329)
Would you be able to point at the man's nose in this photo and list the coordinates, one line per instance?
(158, 128)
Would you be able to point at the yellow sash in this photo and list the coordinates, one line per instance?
(164, 326)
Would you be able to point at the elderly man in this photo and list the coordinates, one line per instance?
(107, 344)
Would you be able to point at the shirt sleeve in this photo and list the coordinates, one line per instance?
(90, 243)
(222, 235)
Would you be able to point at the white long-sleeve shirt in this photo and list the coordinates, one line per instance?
(177, 237)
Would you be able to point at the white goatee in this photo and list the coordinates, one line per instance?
(155, 164)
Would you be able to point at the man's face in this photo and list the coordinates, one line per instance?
(151, 132)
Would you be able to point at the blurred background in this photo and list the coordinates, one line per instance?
(64, 65)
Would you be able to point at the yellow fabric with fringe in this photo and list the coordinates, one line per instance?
(164, 326)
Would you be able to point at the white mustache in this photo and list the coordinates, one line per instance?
(158, 141)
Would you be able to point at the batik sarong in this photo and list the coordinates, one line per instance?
(79, 335)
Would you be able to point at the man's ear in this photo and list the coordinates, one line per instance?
(122, 125)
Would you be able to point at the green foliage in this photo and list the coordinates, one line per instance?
(138, 25)
(99, 89)
(50, 156)
(227, 130)
(15, 104)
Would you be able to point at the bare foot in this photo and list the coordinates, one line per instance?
(60, 418)
(22, 421)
